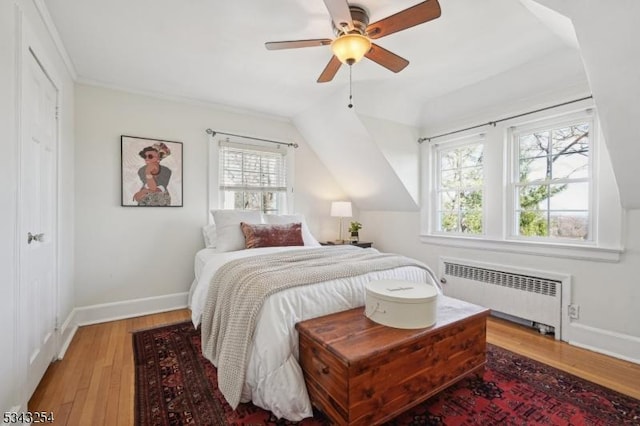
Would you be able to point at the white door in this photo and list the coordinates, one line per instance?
(38, 219)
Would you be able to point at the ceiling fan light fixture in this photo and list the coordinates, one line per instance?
(350, 48)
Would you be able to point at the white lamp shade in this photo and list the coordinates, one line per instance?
(350, 48)
(341, 209)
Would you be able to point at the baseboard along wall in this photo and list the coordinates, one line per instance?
(94, 314)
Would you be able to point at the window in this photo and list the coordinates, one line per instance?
(552, 181)
(460, 180)
(542, 187)
(252, 178)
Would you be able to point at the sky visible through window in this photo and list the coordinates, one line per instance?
(460, 189)
(553, 182)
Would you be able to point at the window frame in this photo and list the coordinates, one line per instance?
(215, 193)
(606, 221)
(436, 186)
(261, 155)
(513, 183)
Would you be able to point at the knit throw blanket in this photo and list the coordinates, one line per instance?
(239, 288)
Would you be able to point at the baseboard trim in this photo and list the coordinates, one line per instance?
(618, 345)
(65, 334)
(16, 409)
(95, 314)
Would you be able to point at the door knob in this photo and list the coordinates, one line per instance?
(36, 237)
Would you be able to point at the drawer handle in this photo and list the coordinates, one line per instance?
(321, 366)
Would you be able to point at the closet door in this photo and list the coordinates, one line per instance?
(38, 204)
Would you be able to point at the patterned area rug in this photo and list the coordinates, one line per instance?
(175, 385)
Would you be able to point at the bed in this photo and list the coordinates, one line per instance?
(273, 378)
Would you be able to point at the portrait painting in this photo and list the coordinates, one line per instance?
(151, 172)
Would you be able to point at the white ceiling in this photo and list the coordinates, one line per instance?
(213, 51)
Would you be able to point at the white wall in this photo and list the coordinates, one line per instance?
(397, 142)
(14, 15)
(126, 253)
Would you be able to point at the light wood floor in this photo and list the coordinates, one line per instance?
(93, 384)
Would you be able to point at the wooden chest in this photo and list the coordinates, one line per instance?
(359, 372)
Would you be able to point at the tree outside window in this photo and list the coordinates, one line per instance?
(266, 202)
(459, 192)
(552, 190)
(252, 179)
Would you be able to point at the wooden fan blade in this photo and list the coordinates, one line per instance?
(418, 14)
(330, 70)
(387, 59)
(340, 13)
(294, 44)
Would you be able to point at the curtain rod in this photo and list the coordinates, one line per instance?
(493, 123)
(213, 133)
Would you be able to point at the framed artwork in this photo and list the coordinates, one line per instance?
(151, 172)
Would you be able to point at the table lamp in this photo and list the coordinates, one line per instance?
(341, 209)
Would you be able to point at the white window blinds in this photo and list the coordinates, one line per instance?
(253, 177)
(252, 168)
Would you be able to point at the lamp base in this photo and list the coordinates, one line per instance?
(340, 233)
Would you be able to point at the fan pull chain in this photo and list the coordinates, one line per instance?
(350, 95)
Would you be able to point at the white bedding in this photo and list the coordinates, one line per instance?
(274, 378)
(202, 258)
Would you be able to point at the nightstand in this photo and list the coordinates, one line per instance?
(361, 244)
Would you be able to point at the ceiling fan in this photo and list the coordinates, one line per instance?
(354, 34)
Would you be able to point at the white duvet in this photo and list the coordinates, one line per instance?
(274, 379)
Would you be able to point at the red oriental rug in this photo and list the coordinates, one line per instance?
(175, 385)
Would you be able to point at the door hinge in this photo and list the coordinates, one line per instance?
(57, 324)
(57, 112)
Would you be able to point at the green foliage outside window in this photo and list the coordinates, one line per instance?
(553, 182)
(551, 191)
(460, 189)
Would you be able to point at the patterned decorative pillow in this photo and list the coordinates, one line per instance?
(260, 235)
(279, 219)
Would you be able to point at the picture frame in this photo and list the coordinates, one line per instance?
(151, 172)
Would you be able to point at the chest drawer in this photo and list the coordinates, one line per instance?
(325, 376)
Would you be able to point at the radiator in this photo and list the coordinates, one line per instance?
(534, 296)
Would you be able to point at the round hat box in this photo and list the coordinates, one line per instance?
(401, 304)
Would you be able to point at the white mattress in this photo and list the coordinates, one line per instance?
(274, 379)
(202, 257)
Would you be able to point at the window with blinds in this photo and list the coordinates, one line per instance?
(252, 177)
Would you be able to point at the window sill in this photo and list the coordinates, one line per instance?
(568, 251)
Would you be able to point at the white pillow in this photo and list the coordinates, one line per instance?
(230, 236)
(307, 237)
(210, 236)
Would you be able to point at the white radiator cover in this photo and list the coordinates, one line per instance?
(532, 295)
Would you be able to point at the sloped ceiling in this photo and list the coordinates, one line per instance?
(609, 39)
(354, 158)
(214, 52)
